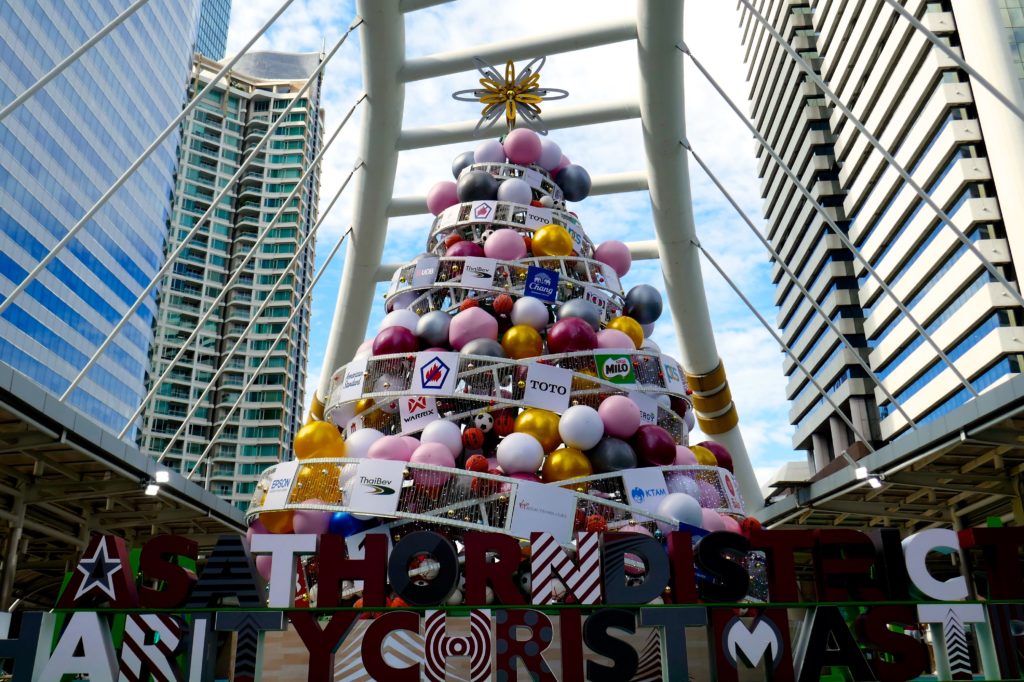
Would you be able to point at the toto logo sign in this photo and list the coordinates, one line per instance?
(548, 387)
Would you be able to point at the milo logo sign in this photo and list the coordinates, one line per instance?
(617, 369)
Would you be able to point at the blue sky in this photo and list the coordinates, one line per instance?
(753, 360)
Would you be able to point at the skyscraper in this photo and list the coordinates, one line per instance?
(212, 36)
(58, 153)
(217, 136)
(958, 143)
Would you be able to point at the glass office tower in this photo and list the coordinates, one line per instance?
(212, 37)
(58, 153)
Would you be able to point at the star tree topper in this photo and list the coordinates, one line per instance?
(515, 95)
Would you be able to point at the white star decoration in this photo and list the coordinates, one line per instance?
(98, 571)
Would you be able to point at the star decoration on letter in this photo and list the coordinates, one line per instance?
(97, 571)
(515, 95)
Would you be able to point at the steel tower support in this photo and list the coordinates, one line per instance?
(662, 112)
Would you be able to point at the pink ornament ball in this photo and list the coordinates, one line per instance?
(465, 249)
(411, 442)
(654, 445)
(395, 340)
(441, 196)
(522, 146)
(263, 565)
(391, 448)
(571, 334)
(685, 456)
(435, 454)
(722, 456)
(620, 415)
(562, 163)
(614, 339)
(708, 495)
(505, 244)
(615, 255)
(311, 521)
(711, 521)
(731, 524)
(470, 325)
(257, 528)
(550, 155)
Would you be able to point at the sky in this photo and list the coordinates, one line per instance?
(609, 73)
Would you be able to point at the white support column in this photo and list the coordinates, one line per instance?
(659, 30)
(383, 56)
(984, 43)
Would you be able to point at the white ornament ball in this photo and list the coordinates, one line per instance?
(444, 432)
(546, 201)
(358, 444)
(581, 427)
(689, 420)
(650, 345)
(401, 318)
(681, 483)
(519, 453)
(531, 311)
(516, 191)
(680, 507)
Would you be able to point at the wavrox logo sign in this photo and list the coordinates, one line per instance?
(416, 412)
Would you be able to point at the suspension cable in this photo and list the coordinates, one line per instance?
(171, 127)
(280, 336)
(800, 286)
(197, 402)
(238, 270)
(942, 215)
(960, 61)
(839, 232)
(199, 223)
(784, 346)
(71, 58)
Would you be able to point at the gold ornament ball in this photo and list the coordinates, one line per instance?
(363, 404)
(552, 240)
(522, 341)
(278, 521)
(630, 327)
(564, 464)
(319, 439)
(542, 425)
(704, 456)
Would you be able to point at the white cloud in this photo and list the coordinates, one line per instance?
(591, 76)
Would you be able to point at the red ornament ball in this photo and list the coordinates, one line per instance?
(654, 445)
(722, 456)
(469, 303)
(503, 304)
(504, 422)
(477, 463)
(596, 524)
(451, 240)
(749, 525)
(473, 439)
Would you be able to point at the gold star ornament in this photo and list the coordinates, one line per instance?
(517, 96)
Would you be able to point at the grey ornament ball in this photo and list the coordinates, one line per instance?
(643, 304)
(488, 347)
(461, 162)
(477, 185)
(611, 454)
(574, 181)
(433, 327)
(583, 309)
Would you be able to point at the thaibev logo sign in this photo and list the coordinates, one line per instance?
(615, 367)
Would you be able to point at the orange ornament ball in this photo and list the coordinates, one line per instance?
(469, 303)
(279, 522)
(503, 304)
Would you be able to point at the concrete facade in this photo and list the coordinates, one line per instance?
(961, 145)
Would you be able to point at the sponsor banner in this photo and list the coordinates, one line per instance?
(352, 382)
(548, 387)
(435, 373)
(542, 283)
(425, 273)
(479, 272)
(543, 508)
(376, 487)
(483, 210)
(616, 368)
(597, 297)
(645, 488)
(416, 411)
(577, 237)
(648, 407)
(284, 474)
(674, 380)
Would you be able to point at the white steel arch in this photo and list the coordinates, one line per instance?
(657, 31)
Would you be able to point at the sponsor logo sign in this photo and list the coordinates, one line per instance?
(674, 380)
(483, 210)
(376, 487)
(426, 271)
(542, 283)
(352, 382)
(416, 412)
(597, 297)
(543, 508)
(616, 368)
(648, 407)
(435, 373)
(548, 387)
(479, 272)
(645, 488)
(281, 485)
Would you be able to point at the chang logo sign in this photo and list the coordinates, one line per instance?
(542, 283)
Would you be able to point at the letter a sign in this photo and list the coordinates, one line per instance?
(548, 387)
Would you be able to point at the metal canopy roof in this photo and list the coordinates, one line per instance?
(956, 471)
(71, 478)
